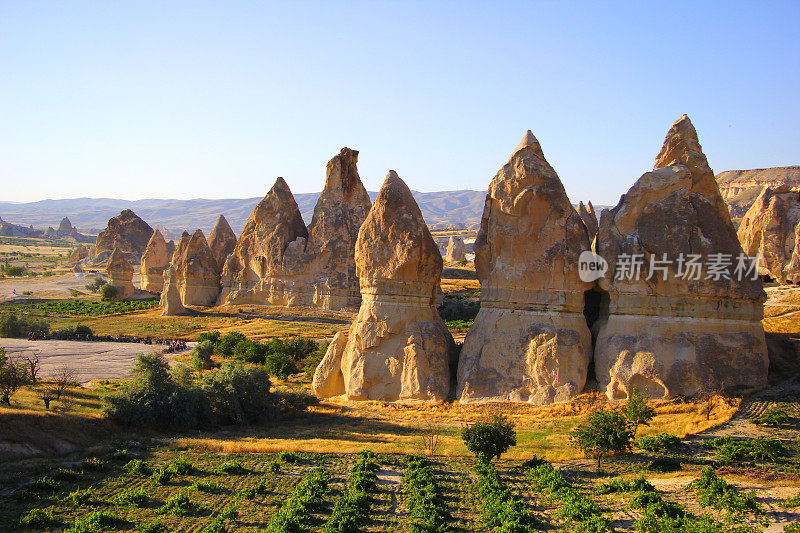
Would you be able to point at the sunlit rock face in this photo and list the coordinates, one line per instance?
(155, 260)
(222, 241)
(398, 348)
(671, 334)
(770, 230)
(120, 274)
(530, 341)
(456, 251)
(196, 270)
(170, 302)
(589, 218)
(279, 261)
(126, 232)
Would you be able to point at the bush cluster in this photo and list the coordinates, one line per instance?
(20, 326)
(774, 417)
(351, 511)
(585, 515)
(658, 443)
(714, 491)
(426, 505)
(502, 510)
(489, 439)
(308, 495)
(764, 449)
(78, 332)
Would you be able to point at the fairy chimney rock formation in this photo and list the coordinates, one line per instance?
(398, 347)
(155, 260)
(196, 270)
(769, 230)
(222, 241)
(530, 341)
(456, 251)
(120, 274)
(671, 329)
(78, 253)
(589, 218)
(279, 261)
(170, 295)
(127, 232)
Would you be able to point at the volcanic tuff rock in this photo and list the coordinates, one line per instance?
(769, 229)
(530, 341)
(222, 241)
(675, 335)
(398, 347)
(127, 232)
(120, 274)
(279, 261)
(78, 253)
(589, 218)
(740, 188)
(155, 260)
(170, 295)
(456, 251)
(196, 270)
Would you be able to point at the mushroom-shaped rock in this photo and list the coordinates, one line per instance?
(170, 303)
(768, 230)
(127, 232)
(155, 260)
(530, 341)
(398, 347)
(196, 270)
(589, 218)
(456, 251)
(120, 274)
(254, 273)
(222, 241)
(682, 314)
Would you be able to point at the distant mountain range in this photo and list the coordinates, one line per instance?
(90, 215)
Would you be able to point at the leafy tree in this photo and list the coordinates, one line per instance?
(212, 336)
(201, 355)
(228, 342)
(604, 432)
(108, 292)
(12, 377)
(490, 438)
(637, 410)
(239, 393)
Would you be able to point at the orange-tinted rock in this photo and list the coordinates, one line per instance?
(127, 232)
(222, 241)
(155, 261)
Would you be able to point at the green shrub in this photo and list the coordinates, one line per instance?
(80, 497)
(39, 518)
(95, 463)
(274, 466)
(133, 498)
(66, 474)
(229, 512)
(774, 417)
(490, 439)
(288, 457)
(201, 355)
(182, 467)
(658, 443)
(211, 487)
(210, 336)
(44, 484)
(96, 522)
(605, 431)
(351, 511)
(181, 504)
(18, 326)
(138, 467)
(308, 495)
(15, 271)
(791, 503)
(249, 351)
(217, 526)
(288, 401)
(312, 361)
(156, 526)
(427, 511)
(757, 449)
(163, 476)
(96, 283)
(637, 410)
(233, 467)
(502, 511)
(715, 492)
(792, 528)
(109, 292)
(664, 464)
(239, 394)
(228, 342)
(279, 364)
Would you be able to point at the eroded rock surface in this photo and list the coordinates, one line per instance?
(155, 260)
(456, 251)
(589, 218)
(530, 341)
(398, 347)
(222, 241)
(196, 270)
(672, 334)
(128, 233)
(170, 302)
(768, 230)
(120, 274)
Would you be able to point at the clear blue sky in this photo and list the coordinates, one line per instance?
(215, 99)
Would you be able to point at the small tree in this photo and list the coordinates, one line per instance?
(109, 292)
(490, 438)
(637, 410)
(201, 355)
(47, 394)
(603, 432)
(63, 377)
(12, 376)
(33, 367)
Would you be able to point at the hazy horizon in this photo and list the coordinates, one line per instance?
(181, 100)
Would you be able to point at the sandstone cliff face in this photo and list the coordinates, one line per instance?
(589, 218)
(398, 347)
(196, 271)
(740, 188)
(127, 232)
(279, 261)
(120, 274)
(456, 251)
(768, 230)
(155, 260)
(530, 341)
(170, 302)
(679, 335)
(222, 241)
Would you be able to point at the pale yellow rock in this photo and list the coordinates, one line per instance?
(589, 218)
(196, 271)
(170, 302)
(398, 348)
(530, 341)
(768, 230)
(222, 241)
(80, 252)
(155, 260)
(127, 232)
(279, 261)
(674, 335)
(456, 251)
(120, 274)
